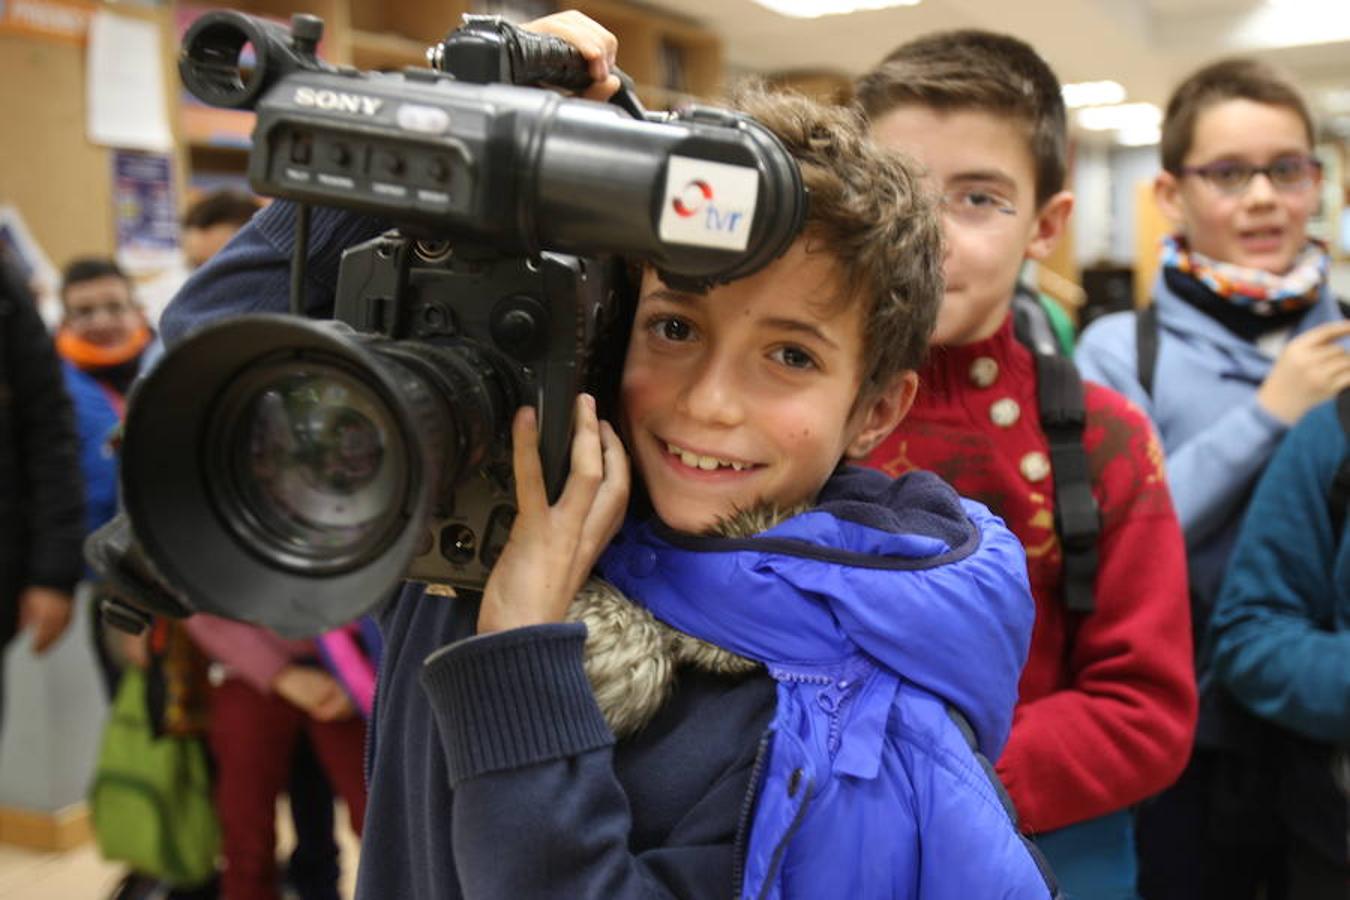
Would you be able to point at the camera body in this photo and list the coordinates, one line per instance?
(290, 472)
(506, 331)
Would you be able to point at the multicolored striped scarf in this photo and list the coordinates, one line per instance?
(1263, 293)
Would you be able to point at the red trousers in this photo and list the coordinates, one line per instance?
(253, 738)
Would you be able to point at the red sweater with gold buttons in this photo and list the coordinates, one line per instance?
(1107, 702)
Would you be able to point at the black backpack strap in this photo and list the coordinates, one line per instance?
(1059, 398)
(1146, 345)
(1339, 497)
(1032, 323)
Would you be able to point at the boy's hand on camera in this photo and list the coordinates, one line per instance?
(314, 691)
(552, 549)
(596, 45)
(1312, 368)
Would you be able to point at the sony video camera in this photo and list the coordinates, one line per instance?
(290, 471)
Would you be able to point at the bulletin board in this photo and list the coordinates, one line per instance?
(59, 181)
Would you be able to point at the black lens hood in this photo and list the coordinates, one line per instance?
(172, 467)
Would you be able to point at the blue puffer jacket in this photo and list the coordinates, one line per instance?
(874, 625)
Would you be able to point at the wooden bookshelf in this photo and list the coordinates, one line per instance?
(386, 51)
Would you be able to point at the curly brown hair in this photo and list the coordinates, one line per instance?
(868, 208)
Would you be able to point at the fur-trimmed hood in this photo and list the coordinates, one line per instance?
(904, 572)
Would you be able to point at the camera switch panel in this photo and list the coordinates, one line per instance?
(397, 179)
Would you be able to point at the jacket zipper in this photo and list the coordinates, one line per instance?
(832, 702)
(747, 811)
(752, 796)
(781, 849)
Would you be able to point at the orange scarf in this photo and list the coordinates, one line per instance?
(85, 355)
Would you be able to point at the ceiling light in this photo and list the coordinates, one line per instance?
(1335, 100)
(1093, 93)
(814, 9)
(1139, 136)
(1121, 116)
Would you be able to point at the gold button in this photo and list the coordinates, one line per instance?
(1005, 413)
(984, 371)
(1035, 466)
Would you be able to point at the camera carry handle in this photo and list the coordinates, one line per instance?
(490, 50)
(484, 49)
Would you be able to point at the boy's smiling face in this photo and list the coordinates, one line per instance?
(1262, 227)
(749, 393)
(981, 163)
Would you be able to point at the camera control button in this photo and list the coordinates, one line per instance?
(422, 119)
(339, 155)
(498, 533)
(438, 169)
(301, 149)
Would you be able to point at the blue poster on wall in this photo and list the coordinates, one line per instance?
(147, 220)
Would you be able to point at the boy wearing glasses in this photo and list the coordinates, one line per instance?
(1106, 704)
(1245, 343)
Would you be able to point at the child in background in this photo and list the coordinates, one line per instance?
(272, 694)
(825, 744)
(1281, 639)
(1245, 341)
(1107, 700)
(102, 340)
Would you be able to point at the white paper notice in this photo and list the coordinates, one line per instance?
(125, 90)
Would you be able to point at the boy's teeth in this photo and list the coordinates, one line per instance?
(698, 461)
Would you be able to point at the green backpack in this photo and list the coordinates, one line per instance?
(151, 796)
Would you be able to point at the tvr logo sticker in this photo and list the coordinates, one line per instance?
(708, 204)
(692, 198)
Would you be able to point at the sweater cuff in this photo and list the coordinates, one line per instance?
(513, 699)
(1273, 428)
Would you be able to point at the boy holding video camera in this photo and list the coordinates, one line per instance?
(799, 713)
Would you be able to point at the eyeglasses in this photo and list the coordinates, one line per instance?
(973, 207)
(1231, 177)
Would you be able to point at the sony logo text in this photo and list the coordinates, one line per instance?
(335, 100)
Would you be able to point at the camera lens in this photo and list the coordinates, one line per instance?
(314, 471)
(284, 471)
(280, 471)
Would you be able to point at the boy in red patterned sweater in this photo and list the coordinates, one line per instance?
(1107, 700)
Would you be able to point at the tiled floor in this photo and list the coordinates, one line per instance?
(82, 874)
(77, 875)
